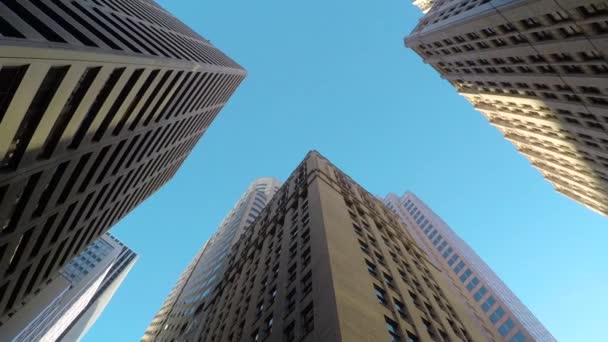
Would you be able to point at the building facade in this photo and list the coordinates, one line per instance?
(87, 277)
(491, 303)
(198, 282)
(117, 273)
(100, 103)
(537, 70)
(327, 261)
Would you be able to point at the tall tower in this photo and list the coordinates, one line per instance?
(326, 261)
(493, 305)
(88, 315)
(52, 312)
(537, 70)
(100, 103)
(196, 285)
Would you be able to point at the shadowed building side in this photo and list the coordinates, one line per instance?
(100, 104)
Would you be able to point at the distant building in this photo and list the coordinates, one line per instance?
(537, 70)
(100, 104)
(424, 5)
(491, 303)
(199, 280)
(88, 283)
(324, 261)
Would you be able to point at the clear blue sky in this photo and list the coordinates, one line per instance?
(334, 76)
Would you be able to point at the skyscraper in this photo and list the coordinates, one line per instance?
(117, 273)
(326, 261)
(100, 103)
(493, 305)
(198, 282)
(537, 70)
(53, 312)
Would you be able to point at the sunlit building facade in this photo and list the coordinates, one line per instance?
(326, 261)
(494, 307)
(537, 70)
(197, 283)
(100, 104)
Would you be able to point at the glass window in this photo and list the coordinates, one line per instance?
(472, 284)
(393, 329)
(497, 315)
(453, 259)
(480, 293)
(519, 337)
(432, 234)
(459, 267)
(442, 246)
(465, 275)
(488, 303)
(437, 240)
(447, 252)
(380, 294)
(506, 327)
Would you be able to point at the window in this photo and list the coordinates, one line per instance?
(307, 317)
(506, 327)
(447, 252)
(442, 246)
(465, 275)
(393, 329)
(472, 284)
(289, 333)
(488, 303)
(480, 293)
(519, 337)
(458, 267)
(400, 307)
(364, 247)
(453, 259)
(388, 280)
(371, 268)
(268, 326)
(255, 336)
(497, 315)
(380, 294)
(10, 79)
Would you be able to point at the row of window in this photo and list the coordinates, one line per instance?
(95, 25)
(394, 302)
(508, 325)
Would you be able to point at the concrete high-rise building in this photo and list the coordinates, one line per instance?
(100, 103)
(537, 70)
(88, 283)
(502, 315)
(198, 282)
(326, 261)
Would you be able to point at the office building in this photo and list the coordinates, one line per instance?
(117, 273)
(326, 261)
(100, 103)
(198, 282)
(88, 280)
(537, 70)
(491, 303)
